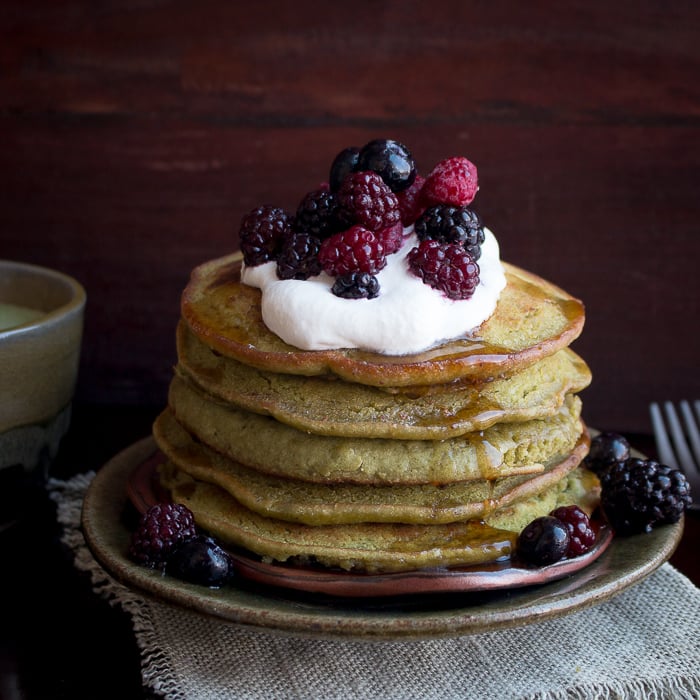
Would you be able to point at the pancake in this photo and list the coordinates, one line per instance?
(533, 319)
(262, 443)
(361, 460)
(333, 504)
(335, 407)
(370, 547)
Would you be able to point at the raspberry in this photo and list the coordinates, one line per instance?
(261, 234)
(353, 250)
(449, 224)
(366, 199)
(639, 494)
(162, 528)
(445, 266)
(451, 181)
(581, 534)
(411, 204)
(317, 214)
(298, 258)
(389, 159)
(391, 238)
(356, 285)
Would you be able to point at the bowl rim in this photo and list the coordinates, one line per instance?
(74, 305)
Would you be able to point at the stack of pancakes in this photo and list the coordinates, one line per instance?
(366, 462)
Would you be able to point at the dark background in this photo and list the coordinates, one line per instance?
(136, 133)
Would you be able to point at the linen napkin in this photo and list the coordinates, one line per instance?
(643, 643)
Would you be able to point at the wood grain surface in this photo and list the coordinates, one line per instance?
(135, 134)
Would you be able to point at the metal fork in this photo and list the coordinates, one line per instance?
(678, 443)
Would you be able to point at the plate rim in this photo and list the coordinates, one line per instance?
(106, 536)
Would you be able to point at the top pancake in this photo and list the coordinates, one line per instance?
(533, 319)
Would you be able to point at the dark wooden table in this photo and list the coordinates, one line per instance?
(57, 638)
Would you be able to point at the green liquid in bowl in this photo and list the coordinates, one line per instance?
(13, 315)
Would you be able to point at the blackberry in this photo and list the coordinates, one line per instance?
(639, 494)
(365, 199)
(261, 233)
(201, 560)
(317, 214)
(391, 160)
(581, 534)
(543, 541)
(343, 164)
(356, 285)
(161, 528)
(446, 267)
(449, 224)
(298, 258)
(354, 250)
(606, 449)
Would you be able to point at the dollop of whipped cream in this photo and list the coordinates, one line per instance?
(407, 317)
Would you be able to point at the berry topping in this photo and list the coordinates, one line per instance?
(606, 449)
(445, 266)
(411, 204)
(639, 494)
(356, 285)
(298, 258)
(202, 561)
(543, 541)
(366, 199)
(162, 528)
(317, 214)
(353, 250)
(581, 534)
(449, 224)
(343, 164)
(451, 181)
(390, 159)
(261, 234)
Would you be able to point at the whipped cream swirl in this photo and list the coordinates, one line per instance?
(407, 317)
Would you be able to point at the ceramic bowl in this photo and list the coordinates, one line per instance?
(41, 326)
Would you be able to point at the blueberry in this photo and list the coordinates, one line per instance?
(202, 561)
(543, 541)
(343, 164)
(606, 449)
(390, 159)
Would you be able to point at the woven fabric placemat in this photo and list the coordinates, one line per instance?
(643, 643)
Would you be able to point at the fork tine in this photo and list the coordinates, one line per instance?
(681, 445)
(691, 427)
(662, 442)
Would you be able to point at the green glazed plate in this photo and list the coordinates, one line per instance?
(433, 604)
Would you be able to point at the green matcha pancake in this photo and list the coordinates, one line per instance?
(264, 444)
(370, 547)
(332, 504)
(327, 406)
(533, 319)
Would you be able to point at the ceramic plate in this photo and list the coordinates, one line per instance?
(455, 609)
